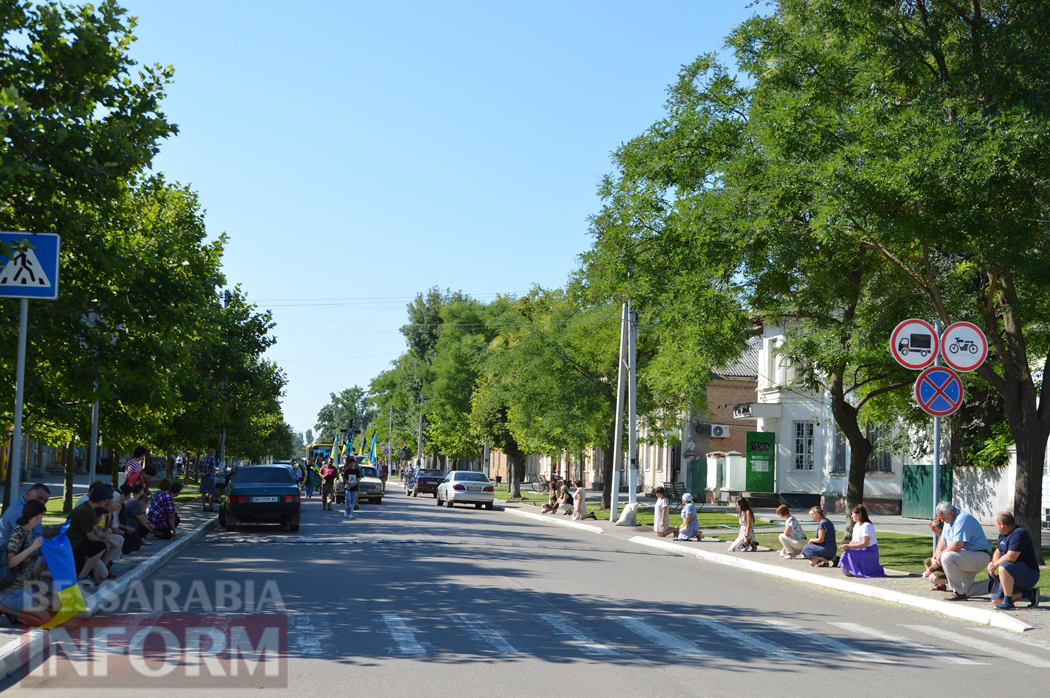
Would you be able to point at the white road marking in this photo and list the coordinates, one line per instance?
(307, 630)
(577, 635)
(403, 635)
(765, 648)
(831, 643)
(1014, 637)
(676, 644)
(481, 632)
(990, 648)
(905, 643)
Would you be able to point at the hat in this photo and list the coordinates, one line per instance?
(687, 497)
(100, 493)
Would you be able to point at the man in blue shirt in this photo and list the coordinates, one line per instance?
(962, 551)
(41, 493)
(1017, 563)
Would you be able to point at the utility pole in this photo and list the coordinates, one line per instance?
(419, 439)
(390, 445)
(227, 297)
(632, 405)
(618, 428)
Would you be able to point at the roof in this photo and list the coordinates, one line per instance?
(745, 367)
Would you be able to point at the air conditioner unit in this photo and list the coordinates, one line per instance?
(719, 431)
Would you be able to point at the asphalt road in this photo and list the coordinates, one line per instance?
(410, 599)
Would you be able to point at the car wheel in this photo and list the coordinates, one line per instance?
(379, 501)
(435, 494)
(489, 506)
(415, 493)
(293, 525)
(449, 504)
(229, 525)
(477, 505)
(437, 498)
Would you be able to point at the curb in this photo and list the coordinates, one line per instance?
(553, 520)
(35, 640)
(976, 615)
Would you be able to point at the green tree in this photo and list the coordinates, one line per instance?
(353, 403)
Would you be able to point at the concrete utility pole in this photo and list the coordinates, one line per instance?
(419, 439)
(227, 298)
(632, 406)
(618, 428)
(390, 445)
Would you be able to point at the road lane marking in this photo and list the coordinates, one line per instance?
(307, 630)
(481, 632)
(676, 644)
(991, 648)
(403, 635)
(1014, 637)
(770, 650)
(577, 635)
(904, 642)
(831, 643)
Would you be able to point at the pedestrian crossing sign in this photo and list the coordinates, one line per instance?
(31, 268)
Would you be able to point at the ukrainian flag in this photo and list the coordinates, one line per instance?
(372, 451)
(59, 556)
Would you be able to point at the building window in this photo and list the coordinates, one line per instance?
(880, 460)
(838, 465)
(803, 445)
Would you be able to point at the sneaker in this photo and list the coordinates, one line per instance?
(1033, 598)
(956, 596)
(1006, 605)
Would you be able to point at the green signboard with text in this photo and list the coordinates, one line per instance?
(761, 461)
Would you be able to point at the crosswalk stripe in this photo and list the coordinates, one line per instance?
(307, 630)
(402, 634)
(676, 644)
(767, 649)
(577, 635)
(1014, 637)
(904, 642)
(981, 645)
(481, 632)
(831, 643)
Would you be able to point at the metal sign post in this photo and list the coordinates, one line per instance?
(30, 272)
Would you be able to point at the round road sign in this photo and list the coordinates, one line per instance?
(914, 344)
(939, 391)
(963, 346)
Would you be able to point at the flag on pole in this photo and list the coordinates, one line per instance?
(364, 440)
(58, 553)
(372, 451)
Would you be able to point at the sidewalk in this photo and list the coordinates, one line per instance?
(899, 587)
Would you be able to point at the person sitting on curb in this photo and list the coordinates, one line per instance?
(860, 557)
(821, 550)
(137, 513)
(23, 556)
(745, 539)
(1017, 563)
(962, 551)
(84, 538)
(8, 522)
(662, 515)
(936, 575)
(552, 500)
(565, 501)
(690, 527)
(793, 538)
(161, 513)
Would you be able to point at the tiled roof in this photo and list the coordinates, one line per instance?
(745, 366)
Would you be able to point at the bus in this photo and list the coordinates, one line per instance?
(319, 450)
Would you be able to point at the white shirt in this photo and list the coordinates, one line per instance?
(796, 529)
(865, 529)
(659, 513)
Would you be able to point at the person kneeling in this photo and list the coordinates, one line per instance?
(793, 538)
(1018, 566)
(860, 557)
(161, 514)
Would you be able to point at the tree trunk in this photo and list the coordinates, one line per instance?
(1028, 489)
(67, 494)
(517, 472)
(846, 416)
(607, 471)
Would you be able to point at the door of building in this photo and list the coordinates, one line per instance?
(761, 461)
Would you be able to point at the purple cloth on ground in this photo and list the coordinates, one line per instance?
(862, 562)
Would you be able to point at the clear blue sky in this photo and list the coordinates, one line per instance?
(358, 153)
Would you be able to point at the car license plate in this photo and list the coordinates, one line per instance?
(260, 500)
(474, 488)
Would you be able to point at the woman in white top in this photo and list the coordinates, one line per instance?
(860, 557)
(793, 538)
(662, 515)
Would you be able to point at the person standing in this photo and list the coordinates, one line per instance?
(133, 465)
(207, 470)
(1018, 566)
(351, 481)
(962, 551)
(327, 485)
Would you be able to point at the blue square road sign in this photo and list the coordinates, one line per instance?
(32, 271)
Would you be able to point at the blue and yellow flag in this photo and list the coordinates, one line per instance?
(59, 556)
(372, 451)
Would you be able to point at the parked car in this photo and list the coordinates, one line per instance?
(369, 487)
(427, 480)
(466, 487)
(260, 494)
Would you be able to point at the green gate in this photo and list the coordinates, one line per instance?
(698, 478)
(761, 461)
(917, 490)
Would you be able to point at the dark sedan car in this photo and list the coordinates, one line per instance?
(260, 494)
(427, 480)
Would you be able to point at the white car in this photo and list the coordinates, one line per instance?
(466, 487)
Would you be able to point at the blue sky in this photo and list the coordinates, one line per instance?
(358, 153)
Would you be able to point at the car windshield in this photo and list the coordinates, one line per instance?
(254, 475)
(431, 473)
(368, 471)
(471, 477)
